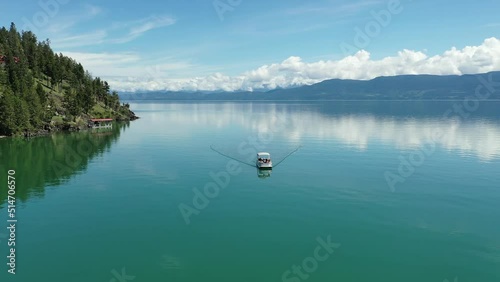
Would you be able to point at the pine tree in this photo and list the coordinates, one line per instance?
(27, 66)
(42, 95)
(22, 114)
(7, 113)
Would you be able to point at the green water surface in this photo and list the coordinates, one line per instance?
(402, 194)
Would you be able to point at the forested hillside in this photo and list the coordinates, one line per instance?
(42, 90)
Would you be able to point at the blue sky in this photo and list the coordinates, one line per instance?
(245, 44)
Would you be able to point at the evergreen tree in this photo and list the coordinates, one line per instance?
(42, 95)
(7, 113)
(27, 68)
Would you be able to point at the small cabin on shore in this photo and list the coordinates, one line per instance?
(97, 123)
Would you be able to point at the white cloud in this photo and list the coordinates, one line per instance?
(153, 23)
(85, 39)
(492, 25)
(335, 9)
(69, 20)
(295, 72)
(114, 66)
(93, 10)
(97, 60)
(131, 30)
(140, 27)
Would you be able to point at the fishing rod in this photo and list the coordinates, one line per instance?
(222, 154)
(253, 165)
(291, 153)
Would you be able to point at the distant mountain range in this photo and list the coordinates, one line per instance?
(402, 87)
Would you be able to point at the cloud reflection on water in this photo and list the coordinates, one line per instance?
(478, 137)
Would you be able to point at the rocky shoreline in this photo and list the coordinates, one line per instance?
(67, 127)
(62, 128)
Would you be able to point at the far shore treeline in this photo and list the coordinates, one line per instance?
(42, 91)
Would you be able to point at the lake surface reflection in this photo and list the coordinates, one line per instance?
(477, 135)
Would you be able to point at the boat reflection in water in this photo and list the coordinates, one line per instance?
(264, 173)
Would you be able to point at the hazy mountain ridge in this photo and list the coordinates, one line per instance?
(402, 87)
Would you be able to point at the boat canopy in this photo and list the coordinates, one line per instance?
(263, 155)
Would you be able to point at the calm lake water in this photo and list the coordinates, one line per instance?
(389, 191)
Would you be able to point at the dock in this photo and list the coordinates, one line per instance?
(100, 123)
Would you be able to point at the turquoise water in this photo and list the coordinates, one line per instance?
(401, 194)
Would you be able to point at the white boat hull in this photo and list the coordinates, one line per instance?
(264, 161)
(264, 165)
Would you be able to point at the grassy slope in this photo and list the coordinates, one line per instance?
(99, 110)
